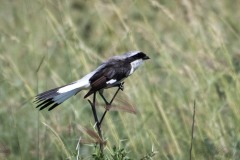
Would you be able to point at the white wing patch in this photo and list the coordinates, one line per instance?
(111, 81)
(135, 64)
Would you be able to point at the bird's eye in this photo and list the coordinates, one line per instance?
(141, 55)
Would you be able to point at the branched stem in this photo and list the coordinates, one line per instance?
(108, 105)
(93, 105)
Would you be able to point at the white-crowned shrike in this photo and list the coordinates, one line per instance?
(109, 74)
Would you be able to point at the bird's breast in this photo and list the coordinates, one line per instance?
(134, 65)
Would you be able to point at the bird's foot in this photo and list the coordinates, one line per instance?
(121, 86)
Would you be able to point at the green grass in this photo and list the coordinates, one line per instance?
(195, 55)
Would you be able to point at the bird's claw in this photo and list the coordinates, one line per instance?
(121, 86)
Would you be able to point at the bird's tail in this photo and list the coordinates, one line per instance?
(56, 96)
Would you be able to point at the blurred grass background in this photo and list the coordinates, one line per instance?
(195, 55)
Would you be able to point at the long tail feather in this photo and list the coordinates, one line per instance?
(58, 95)
(53, 98)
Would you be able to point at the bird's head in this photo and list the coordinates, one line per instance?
(135, 55)
(135, 58)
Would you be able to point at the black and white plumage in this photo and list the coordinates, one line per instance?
(109, 74)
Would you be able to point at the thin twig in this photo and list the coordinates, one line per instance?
(120, 87)
(193, 123)
(93, 105)
(103, 116)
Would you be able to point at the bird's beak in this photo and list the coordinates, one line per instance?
(146, 58)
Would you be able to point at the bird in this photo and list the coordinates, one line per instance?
(109, 74)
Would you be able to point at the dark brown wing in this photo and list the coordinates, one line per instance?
(97, 85)
(116, 70)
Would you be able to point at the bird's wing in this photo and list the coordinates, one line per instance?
(98, 81)
(108, 75)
